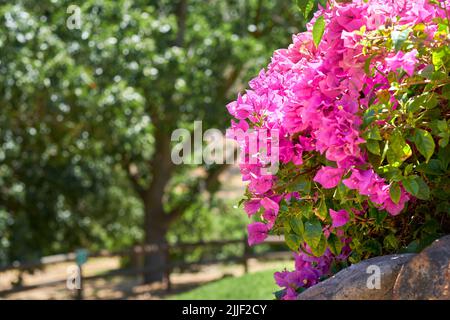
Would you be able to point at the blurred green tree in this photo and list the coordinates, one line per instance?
(85, 108)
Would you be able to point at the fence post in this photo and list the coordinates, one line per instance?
(81, 257)
(246, 255)
(79, 292)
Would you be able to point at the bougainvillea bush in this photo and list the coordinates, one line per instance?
(360, 102)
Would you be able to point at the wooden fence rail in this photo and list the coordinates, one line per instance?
(137, 271)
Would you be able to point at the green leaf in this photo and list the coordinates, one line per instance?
(322, 210)
(421, 102)
(318, 30)
(305, 7)
(296, 225)
(373, 246)
(319, 250)
(391, 241)
(302, 185)
(442, 125)
(374, 134)
(385, 151)
(306, 209)
(413, 247)
(283, 207)
(381, 215)
(416, 103)
(287, 227)
(424, 143)
(416, 186)
(444, 141)
(335, 244)
(373, 146)
(409, 169)
(391, 173)
(411, 186)
(367, 64)
(427, 72)
(432, 102)
(433, 167)
(398, 150)
(444, 156)
(293, 241)
(378, 215)
(368, 117)
(424, 190)
(399, 37)
(395, 192)
(440, 56)
(279, 294)
(313, 233)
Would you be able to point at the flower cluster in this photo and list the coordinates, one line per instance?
(309, 270)
(315, 97)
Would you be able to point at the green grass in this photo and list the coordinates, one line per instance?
(258, 285)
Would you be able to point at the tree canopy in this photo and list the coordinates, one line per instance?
(87, 113)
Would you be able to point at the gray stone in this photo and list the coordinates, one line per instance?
(352, 282)
(427, 275)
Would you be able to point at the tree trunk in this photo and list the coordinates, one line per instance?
(156, 220)
(157, 260)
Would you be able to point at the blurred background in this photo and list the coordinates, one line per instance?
(90, 92)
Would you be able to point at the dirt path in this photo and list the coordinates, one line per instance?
(122, 287)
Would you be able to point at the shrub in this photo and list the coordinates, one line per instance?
(360, 102)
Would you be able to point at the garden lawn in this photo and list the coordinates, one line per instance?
(259, 285)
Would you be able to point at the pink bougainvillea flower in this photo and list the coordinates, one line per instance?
(292, 280)
(252, 206)
(339, 218)
(368, 183)
(290, 294)
(297, 156)
(391, 207)
(271, 207)
(349, 18)
(270, 216)
(329, 177)
(242, 125)
(269, 204)
(406, 61)
(394, 208)
(280, 278)
(261, 184)
(286, 151)
(257, 232)
(239, 109)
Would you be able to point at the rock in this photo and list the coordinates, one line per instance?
(353, 282)
(427, 275)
